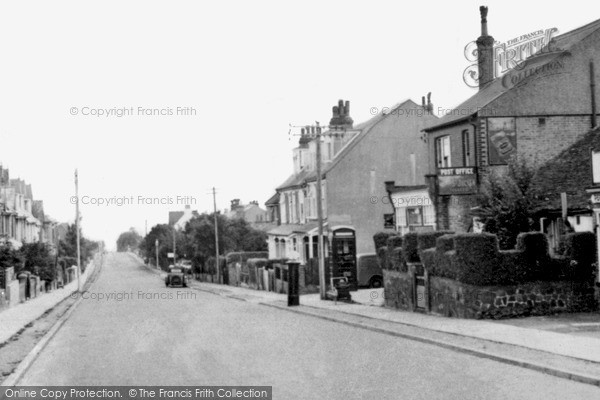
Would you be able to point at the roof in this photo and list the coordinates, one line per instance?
(569, 172)
(285, 230)
(495, 88)
(273, 200)
(174, 216)
(364, 129)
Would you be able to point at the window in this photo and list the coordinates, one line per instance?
(596, 167)
(466, 148)
(414, 216)
(442, 145)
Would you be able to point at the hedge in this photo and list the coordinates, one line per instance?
(580, 247)
(476, 258)
(209, 266)
(411, 247)
(243, 256)
(382, 255)
(427, 240)
(393, 242)
(380, 239)
(396, 260)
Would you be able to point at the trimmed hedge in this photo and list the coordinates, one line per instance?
(580, 247)
(476, 258)
(382, 255)
(427, 240)
(243, 256)
(209, 266)
(257, 262)
(380, 239)
(396, 260)
(411, 247)
(393, 242)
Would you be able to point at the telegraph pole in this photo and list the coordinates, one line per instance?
(320, 247)
(156, 247)
(77, 229)
(217, 263)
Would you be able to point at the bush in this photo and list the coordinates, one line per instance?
(429, 260)
(427, 240)
(411, 248)
(580, 247)
(535, 260)
(396, 260)
(477, 259)
(393, 242)
(382, 254)
(380, 239)
(210, 268)
(243, 256)
(257, 262)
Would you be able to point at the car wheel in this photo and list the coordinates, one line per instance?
(376, 283)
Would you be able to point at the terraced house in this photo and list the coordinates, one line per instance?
(534, 112)
(356, 159)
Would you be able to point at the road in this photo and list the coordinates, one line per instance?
(205, 339)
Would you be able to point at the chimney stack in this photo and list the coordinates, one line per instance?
(341, 115)
(485, 51)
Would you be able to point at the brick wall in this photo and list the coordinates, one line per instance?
(539, 142)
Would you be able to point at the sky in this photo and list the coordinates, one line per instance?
(157, 102)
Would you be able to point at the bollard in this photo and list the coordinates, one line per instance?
(293, 283)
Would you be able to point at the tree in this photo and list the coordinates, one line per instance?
(506, 202)
(38, 259)
(164, 234)
(68, 246)
(9, 257)
(129, 241)
(197, 241)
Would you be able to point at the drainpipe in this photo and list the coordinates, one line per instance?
(593, 94)
(389, 186)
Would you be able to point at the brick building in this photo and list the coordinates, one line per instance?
(535, 112)
(389, 146)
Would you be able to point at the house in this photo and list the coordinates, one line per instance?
(18, 224)
(251, 212)
(534, 112)
(355, 159)
(566, 186)
(178, 219)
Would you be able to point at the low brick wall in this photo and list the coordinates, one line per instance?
(454, 299)
(398, 289)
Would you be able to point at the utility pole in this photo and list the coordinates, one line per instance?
(315, 131)
(320, 246)
(174, 246)
(156, 247)
(77, 229)
(217, 263)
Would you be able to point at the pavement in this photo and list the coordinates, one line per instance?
(142, 333)
(16, 318)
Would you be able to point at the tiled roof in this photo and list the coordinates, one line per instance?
(273, 200)
(570, 172)
(495, 88)
(174, 216)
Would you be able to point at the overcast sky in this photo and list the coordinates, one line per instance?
(247, 68)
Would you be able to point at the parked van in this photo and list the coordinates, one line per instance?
(369, 271)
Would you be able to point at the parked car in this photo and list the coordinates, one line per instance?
(175, 277)
(368, 270)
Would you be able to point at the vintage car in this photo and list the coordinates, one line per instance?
(175, 277)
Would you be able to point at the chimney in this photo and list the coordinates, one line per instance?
(235, 203)
(341, 115)
(485, 51)
(429, 106)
